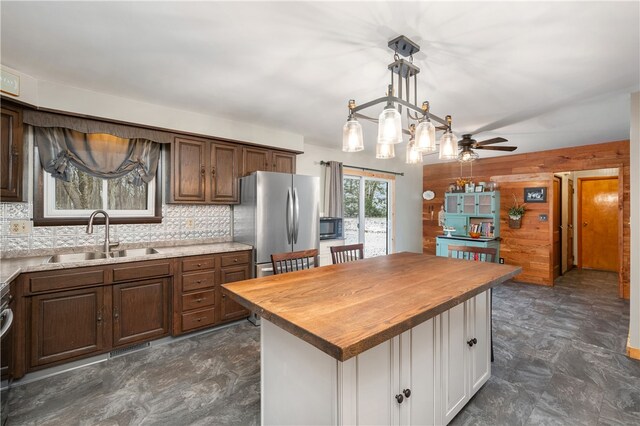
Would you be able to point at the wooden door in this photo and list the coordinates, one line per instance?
(224, 173)
(556, 226)
(570, 260)
(255, 159)
(283, 162)
(10, 155)
(598, 221)
(67, 325)
(230, 309)
(140, 311)
(188, 170)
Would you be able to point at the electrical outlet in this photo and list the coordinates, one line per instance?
(188, 224)
(502, 260)
(18, 227)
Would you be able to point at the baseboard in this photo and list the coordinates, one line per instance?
(632, 352)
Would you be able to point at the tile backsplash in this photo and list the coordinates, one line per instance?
(180, 222)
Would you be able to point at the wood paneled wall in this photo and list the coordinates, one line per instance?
(530, 246)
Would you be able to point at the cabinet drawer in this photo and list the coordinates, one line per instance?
(200, 299)
(235, 258)
(197, 319)
(198, 280)
(198, 263)
(66, 279)
(135, 271)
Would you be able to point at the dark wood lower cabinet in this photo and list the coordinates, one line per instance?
(140, 311)
(229, 309)
(67, 325)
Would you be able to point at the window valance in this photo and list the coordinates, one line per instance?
(86, 125)
(98, 154)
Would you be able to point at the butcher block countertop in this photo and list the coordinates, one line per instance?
(346, 309)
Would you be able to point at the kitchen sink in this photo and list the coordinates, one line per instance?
(93, 255)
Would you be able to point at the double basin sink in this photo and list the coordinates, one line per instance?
(95, 255)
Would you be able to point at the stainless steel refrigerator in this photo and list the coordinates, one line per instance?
(278, 212)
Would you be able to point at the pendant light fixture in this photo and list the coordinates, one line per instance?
(423, 141)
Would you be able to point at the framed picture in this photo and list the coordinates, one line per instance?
(469, 187)
(535, 195)
(479, 188)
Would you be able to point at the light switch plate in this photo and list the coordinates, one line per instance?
(19, 227)
(188, 223)
(543, 218)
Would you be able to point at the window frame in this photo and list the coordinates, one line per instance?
(40, 209)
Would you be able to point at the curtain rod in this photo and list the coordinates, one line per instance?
(325, 163)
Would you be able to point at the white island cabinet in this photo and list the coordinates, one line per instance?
(402, 339)
(424, 376)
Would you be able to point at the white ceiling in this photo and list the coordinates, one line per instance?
(542, 75)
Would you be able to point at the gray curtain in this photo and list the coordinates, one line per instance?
(100, 155)
(333, 189)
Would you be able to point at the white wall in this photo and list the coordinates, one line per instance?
(61, 97)
(408, 187)
(634, 322)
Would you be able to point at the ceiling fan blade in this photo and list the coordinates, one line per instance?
(497, 148)
(490, 141)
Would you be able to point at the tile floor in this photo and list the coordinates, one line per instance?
(559, 359)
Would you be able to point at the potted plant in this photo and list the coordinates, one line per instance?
(515, 213)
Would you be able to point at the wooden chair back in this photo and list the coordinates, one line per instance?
(480, 254)
(347, 253)
(293, 261)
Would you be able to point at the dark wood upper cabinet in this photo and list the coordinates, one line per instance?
(11, 154)
(259, 159)
(204, 172)
(188, 170)
(224, 173)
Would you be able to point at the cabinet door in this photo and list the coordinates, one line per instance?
(485, 204)
(283, 162)
(188, 171)
(140, 311)
(458, 222)
(229, 309)
(224, 173)
(10, 155)
(468, 203)
(454, 353)
(451, 203)
(478, 323)
(66, 325)
(420, 358)
(255, 159)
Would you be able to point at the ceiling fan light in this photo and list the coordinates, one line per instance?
(352, 140)
(467, 156)
(414, 156)
(448, 146)
(426, 137)
(389, 126)
(385, 151)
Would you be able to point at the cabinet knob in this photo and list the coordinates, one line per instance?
(202, 171)
(407, 393)
(199, 300)
(470, 343)
(199, 281)
(115, 313)
(235, 260)
(99, 319)
(474, 340)
(199, 265)
(399, 398)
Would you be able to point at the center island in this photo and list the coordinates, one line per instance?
(397, 339)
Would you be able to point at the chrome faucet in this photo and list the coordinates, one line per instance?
(107, 244)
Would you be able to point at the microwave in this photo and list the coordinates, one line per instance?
(330, 228)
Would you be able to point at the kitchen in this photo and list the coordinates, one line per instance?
(252, 136)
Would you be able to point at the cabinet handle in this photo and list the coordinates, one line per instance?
(399, 398)
(199, 300)
(199, 281)
(470, 343)
(213, 172)
(474, 340)
(115, 313)
(235, 260)
(99, 319)
(199, 319)
(202, 170)
(199, 265)
(407, 393)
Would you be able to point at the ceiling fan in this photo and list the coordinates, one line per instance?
(467, 144)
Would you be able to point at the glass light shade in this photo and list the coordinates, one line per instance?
(352, 140)
(426, 137)
(466, 156)
(385, 151)
(448, 146)
(414, 156)
(389, 126)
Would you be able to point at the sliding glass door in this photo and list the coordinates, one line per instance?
(367, 217)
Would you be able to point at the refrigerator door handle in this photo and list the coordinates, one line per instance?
(289, 217)
(296, 215)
